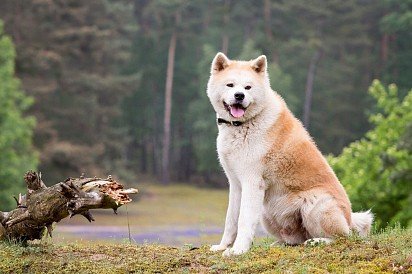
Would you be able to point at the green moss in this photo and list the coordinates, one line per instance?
(386, 252)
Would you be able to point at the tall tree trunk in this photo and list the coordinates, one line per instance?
(267, 15)
(225, 43)
(143, 157)
(309, 86)
(384, 51)
(168, 109)
(384, 48)
(225, 37)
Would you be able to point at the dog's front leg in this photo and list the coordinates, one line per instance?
(232, 216)
(253, 193)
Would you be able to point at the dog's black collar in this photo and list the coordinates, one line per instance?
(233, 123)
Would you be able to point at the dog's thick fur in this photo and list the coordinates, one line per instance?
(275, 171)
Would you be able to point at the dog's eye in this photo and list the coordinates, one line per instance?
(230, 85)
(248, 87)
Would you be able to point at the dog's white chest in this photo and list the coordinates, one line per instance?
(241, 150)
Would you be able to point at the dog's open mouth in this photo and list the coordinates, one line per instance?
(236, 110)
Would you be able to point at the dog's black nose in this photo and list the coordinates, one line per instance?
(239, 96)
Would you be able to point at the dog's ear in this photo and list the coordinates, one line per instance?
(260, 64)
(220, 62)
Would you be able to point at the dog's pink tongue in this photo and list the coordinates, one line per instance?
(237, 111)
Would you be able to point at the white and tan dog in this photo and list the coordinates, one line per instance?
(275, 171)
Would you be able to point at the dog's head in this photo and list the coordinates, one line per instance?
(237, 89)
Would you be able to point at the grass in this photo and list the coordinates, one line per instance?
(158, 205)
(158, 208)
(179, 205)
(387, 252)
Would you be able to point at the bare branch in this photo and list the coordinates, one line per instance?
(44, 205)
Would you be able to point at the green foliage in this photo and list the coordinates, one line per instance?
(377, 170)
(16, 151)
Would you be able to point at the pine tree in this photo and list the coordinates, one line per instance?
(69, 59)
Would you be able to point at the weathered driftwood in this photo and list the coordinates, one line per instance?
(42, 206)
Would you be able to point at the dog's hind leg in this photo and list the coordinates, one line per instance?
(325, 221)
(271, 227)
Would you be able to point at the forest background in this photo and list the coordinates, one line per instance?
(119, 87)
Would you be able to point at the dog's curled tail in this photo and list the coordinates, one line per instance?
(362, 222)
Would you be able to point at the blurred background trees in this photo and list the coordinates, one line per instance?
(16, 149)
(97, 71)
(70, 54)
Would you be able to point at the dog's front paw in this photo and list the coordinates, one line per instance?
(218, 247)
(234, 251)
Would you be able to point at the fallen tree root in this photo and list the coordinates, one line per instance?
(42, 206)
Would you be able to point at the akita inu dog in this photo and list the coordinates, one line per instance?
(275, 171)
